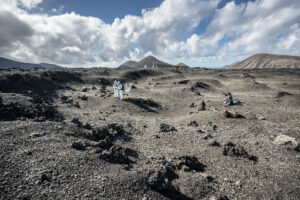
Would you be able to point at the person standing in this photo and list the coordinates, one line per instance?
(116, 88)
(121, 90)
(127, 89)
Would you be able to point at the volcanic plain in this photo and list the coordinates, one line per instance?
(63, 134)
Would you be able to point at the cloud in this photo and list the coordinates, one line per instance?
(17, 5)
(13, 29)
(255, 26)
(58, 10)
(156, 31)
(29, 4)
(167, 31)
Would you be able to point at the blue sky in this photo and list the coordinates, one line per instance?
(107, 10)
(206, 33)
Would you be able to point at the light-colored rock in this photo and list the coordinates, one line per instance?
(35, 134)
(289, 142)
(261, 118)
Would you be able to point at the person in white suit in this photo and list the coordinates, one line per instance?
(128, 89)
(121, 90)
(116, 88)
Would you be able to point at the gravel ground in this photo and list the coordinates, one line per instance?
(65, 136)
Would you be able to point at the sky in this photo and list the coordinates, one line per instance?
(106, 33)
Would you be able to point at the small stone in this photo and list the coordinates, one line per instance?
(79, 145)
(156, 136)
(44, 177)
(193, 123)
(261, 118)
(215, 143)
(35, 134)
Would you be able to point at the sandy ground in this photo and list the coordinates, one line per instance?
(102, 148)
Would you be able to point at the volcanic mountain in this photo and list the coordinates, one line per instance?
(127, 64)
(149, 61)
(7, 63)
(182, 65)
(263, 60)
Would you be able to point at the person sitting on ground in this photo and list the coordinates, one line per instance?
(228, 101)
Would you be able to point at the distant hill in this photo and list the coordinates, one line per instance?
(263, 60)
(7, 63)
(150, 61)
(127, 64)
(182, 65)
(50, 66)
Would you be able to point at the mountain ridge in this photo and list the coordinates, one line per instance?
(127, 64)
(264, 60)
(149, 62)
(6, 63)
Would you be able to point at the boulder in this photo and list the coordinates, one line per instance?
(228, 114)
(79, 145)
(190, 163)
(85, 90)
(166, 128)
(234, 150)
(160, 179)
(287, 141)
(116, 154)
(183, 82)
(202, 106)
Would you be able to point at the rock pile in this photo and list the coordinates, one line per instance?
(234, 150)
(166, 128)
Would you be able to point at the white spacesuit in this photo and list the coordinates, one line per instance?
(121, 90)
(128, 89)
(116, 88)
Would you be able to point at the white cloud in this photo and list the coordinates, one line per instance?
(255, 27)
(29, 4)
(166, 31)
(58, 10)
(157, 31)
(71, 49)
(17, 5)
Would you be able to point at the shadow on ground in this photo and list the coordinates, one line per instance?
(148, 105)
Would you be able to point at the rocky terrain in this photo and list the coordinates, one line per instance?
(263, 60)
(65, 136)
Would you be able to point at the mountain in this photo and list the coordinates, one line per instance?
(263, 60)
(7, 63)
(127, 64)
(151, 61)
(182, 65)
(50, 66)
